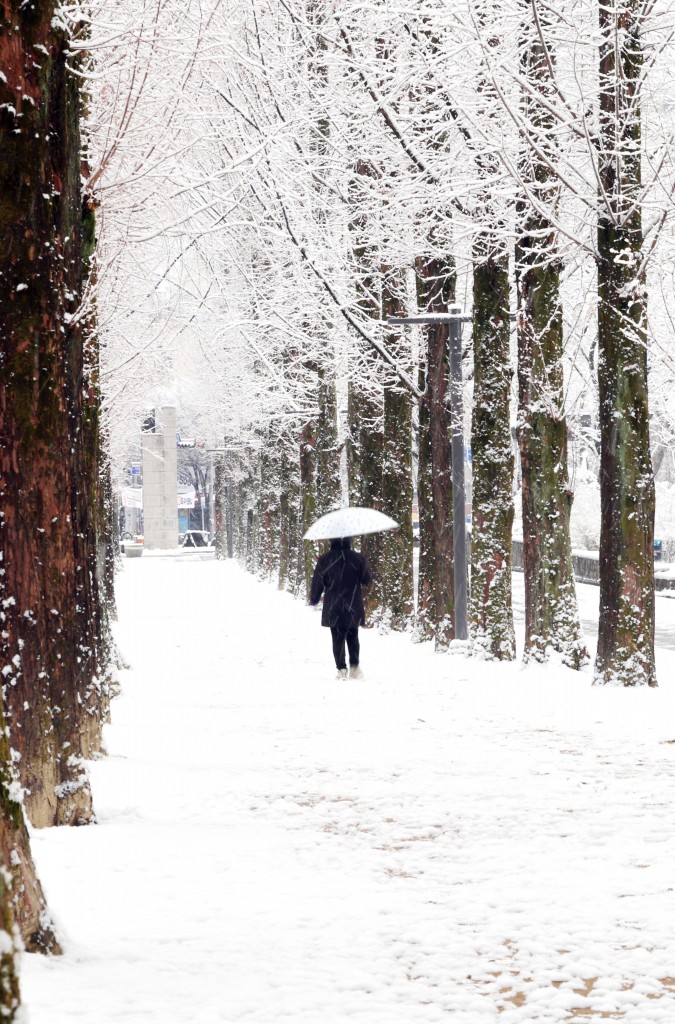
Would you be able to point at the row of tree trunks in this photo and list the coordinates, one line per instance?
(295, 479)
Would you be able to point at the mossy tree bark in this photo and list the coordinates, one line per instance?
(21, 896)
(551, 613)
(490, 609)
(436, 601)
(53, 622)
(11, 822)
(626, 625)
(10, 996)
(397, 482)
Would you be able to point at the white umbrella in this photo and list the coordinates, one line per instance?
(349, 522)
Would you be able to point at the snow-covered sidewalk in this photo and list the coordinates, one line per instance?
(441, 841)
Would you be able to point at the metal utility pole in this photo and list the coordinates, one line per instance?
(454, 319)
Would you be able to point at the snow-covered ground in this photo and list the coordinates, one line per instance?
(442, 841)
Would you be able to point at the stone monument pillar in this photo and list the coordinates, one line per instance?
(160, 485)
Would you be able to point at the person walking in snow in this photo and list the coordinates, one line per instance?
(340, 575)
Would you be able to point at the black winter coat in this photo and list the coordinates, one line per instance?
(339, 576)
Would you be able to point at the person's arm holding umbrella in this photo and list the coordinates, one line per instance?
(366, 574)
(317, 586)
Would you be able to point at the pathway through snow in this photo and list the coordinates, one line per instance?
(443, 840)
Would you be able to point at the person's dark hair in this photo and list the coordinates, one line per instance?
(341, 542)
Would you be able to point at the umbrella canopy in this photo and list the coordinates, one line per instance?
(349, 522)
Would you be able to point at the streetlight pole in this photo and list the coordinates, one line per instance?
(454, 319)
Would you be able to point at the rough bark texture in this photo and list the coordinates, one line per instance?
(10, 941)
(329, 488)
(397, 482)
(626, 624)
(366, 406)
(436, 601)
(551, 613)
(220, 506)
(490, 611)
(365, 450)
(293, 582)
(53, 641)
(289, 498)
(244, 499)
(17, 872)
(319, 479)
(308, 492)
(269, 505)
(426, 600)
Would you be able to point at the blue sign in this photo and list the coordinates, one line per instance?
(136, 469)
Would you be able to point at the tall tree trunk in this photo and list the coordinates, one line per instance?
(269, 509)
(246, 520)
(365, 452)
(48, 421)
(308, 492)
(397, 481)
(319, 481)
(288, 505)
(293, 583)
(426, 571)
(220, 506)
(551, 614)
(365, 403)
(19, 880)
(436, 600)
(11, 823)
(490, 610)
(626, 626)
(328, 485)
(284, 539)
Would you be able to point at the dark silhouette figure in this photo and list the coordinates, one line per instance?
(340, 575)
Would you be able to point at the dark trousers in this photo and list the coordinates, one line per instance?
(351, 636)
